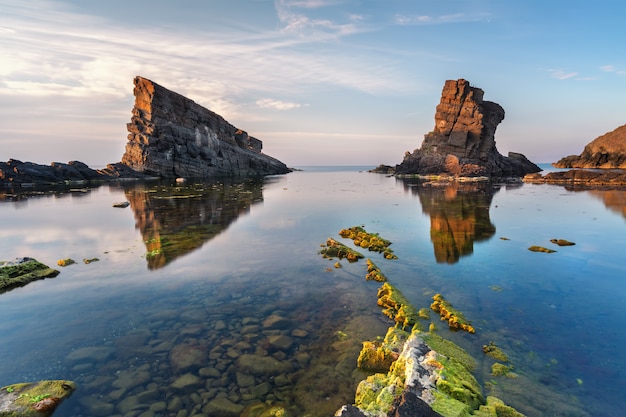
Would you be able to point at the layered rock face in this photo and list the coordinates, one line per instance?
(463, 140)
(172, 136)
(606, 151)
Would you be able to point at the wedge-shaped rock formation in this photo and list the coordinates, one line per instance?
(463, 140)
(172, 136)
(606, 151)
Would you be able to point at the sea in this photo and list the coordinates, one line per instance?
(212, 298)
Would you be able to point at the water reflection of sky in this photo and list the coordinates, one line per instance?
(557, 315)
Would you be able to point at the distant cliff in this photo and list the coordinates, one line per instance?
(606, 151)
(172, 136)
(463, 140)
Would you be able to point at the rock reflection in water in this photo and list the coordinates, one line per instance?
(614, 200)
(459, 216)
(177, 219)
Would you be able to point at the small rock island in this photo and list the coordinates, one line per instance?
(462, 143)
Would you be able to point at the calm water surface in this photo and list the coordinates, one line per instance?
(196, 283)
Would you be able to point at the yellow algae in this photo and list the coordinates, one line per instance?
(456, 320)
(369, 241)
(374, 273)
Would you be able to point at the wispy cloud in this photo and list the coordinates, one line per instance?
(295, 20)
(613, 69)
(49, 50)
(423, 19)
(269, 103)
(560, 74)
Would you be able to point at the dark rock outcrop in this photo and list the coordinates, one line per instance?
(15, 172)
(463, 140)
(606, 151)
(172, 136)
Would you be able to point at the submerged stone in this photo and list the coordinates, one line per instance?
(261, 365)
(495, 352)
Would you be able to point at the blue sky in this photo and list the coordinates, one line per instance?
(320, 82)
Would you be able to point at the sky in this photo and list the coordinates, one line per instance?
(320, 82)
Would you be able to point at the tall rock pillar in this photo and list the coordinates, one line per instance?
(462, 142)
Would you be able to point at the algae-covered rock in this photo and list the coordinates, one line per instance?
(536, 248)
(34, 399)
(374, 273)
(66, 262)
(456, 320)
(562, 242)
(379, 356)
(22, 271)
(495, 407)
(370, 241)
(449, 349)
(334, 249)
(396, 306)
(495, 352)
(498, 369)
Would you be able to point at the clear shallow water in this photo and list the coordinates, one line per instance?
(201, 266)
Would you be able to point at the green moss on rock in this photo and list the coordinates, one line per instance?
(396, 306)
(20, 272)
(449, 349)
(34, 399)
(495, 352)
(334, 249)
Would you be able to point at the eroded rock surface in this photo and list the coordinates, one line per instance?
(172, 136)
(462, 142)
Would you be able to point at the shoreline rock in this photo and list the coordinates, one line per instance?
(462, 143)
(29, 174)
(605, 152)
(580, 178)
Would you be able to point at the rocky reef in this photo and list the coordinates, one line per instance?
(606, 151)
(462, 143)
(172, 136)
